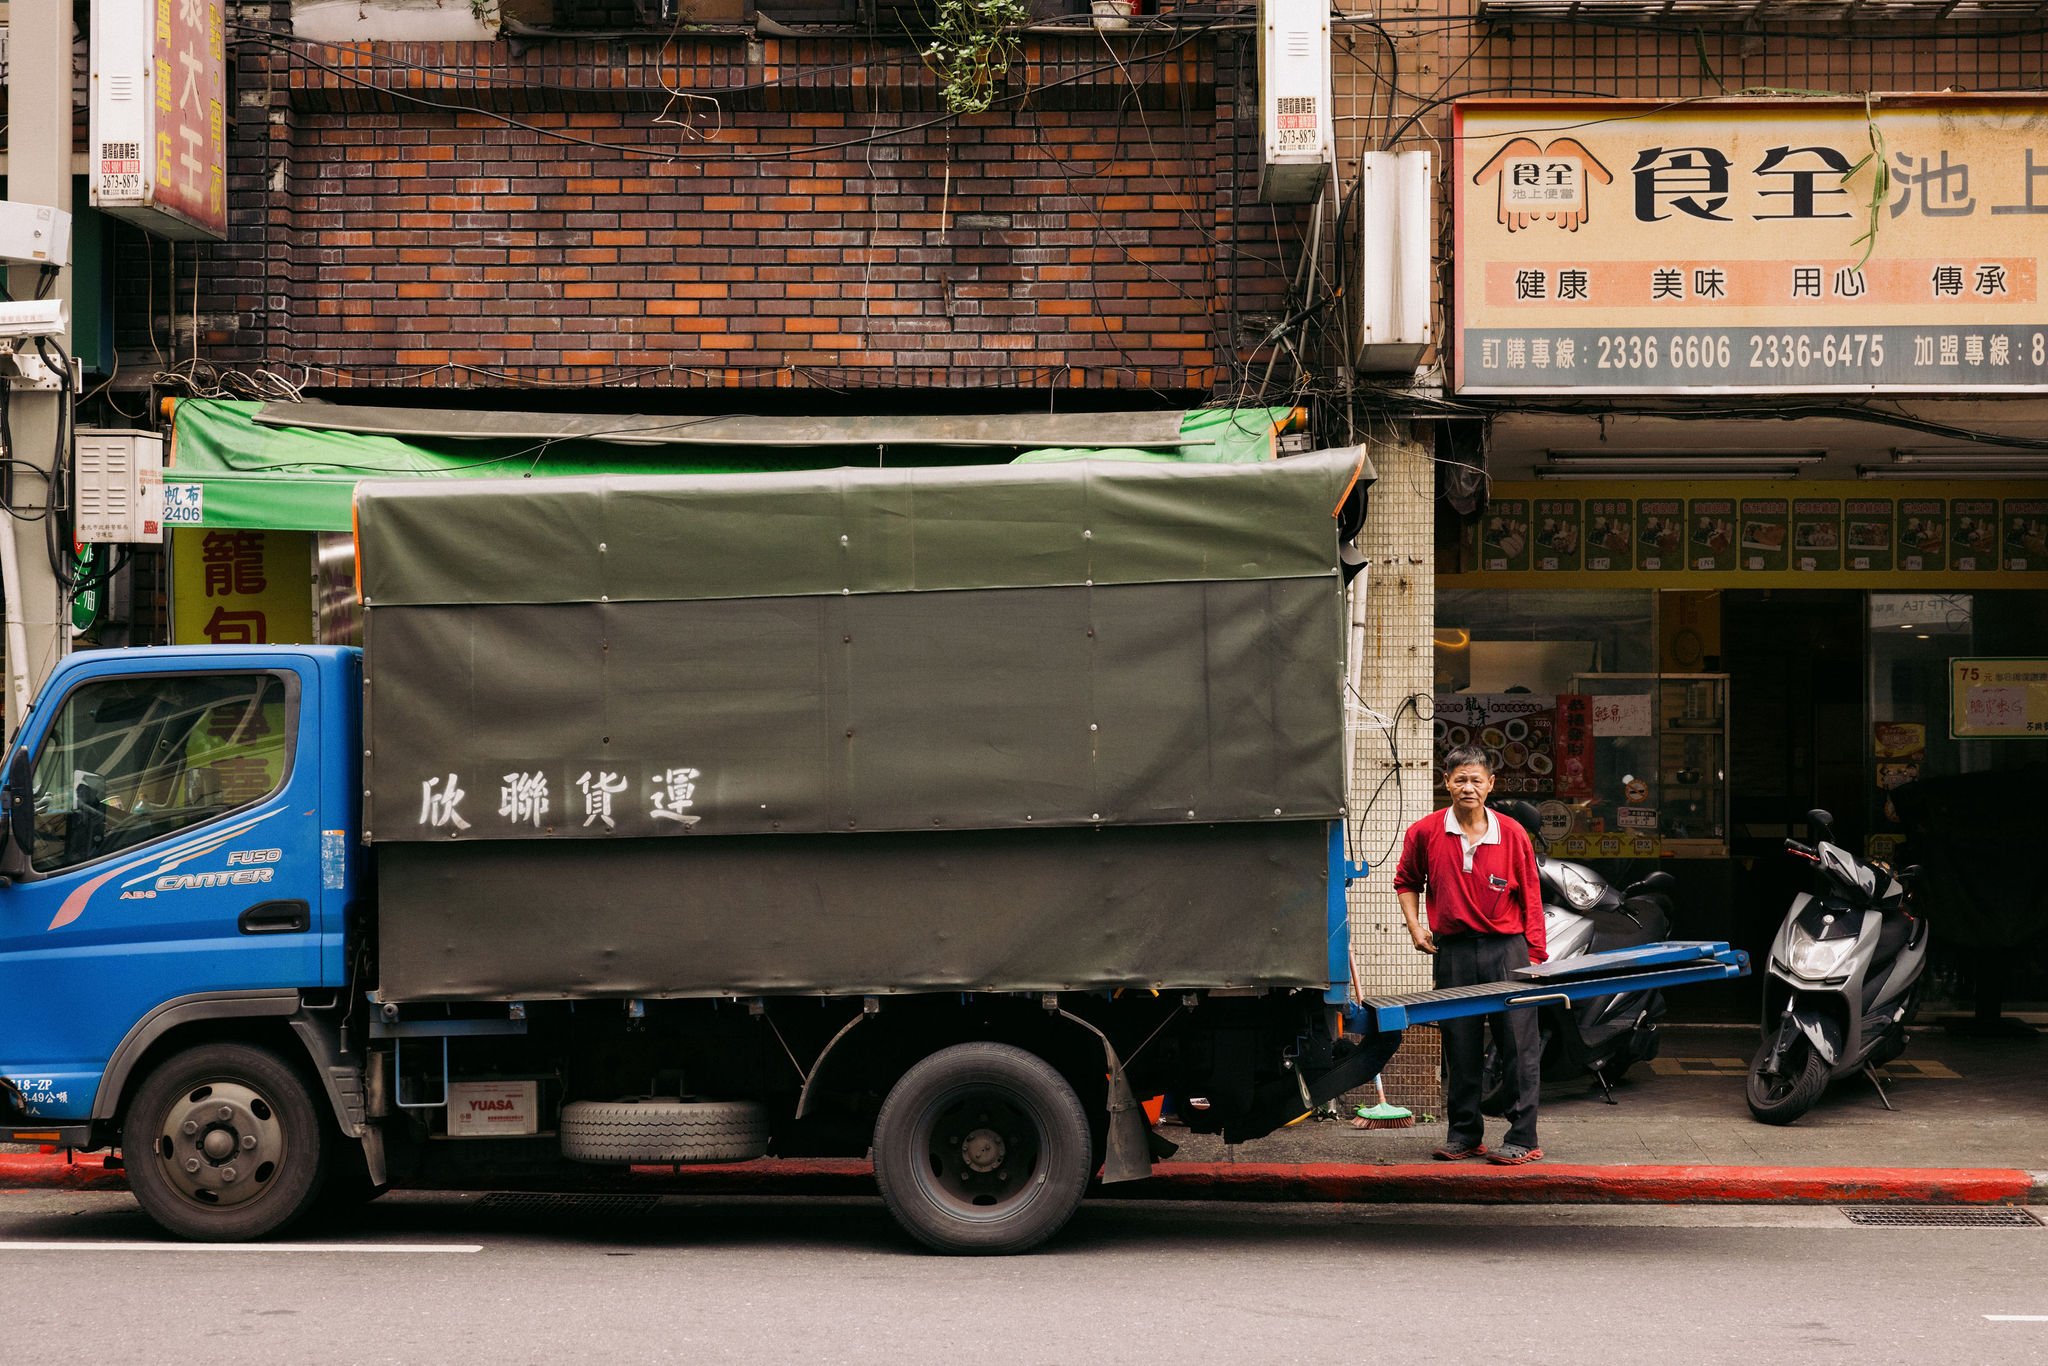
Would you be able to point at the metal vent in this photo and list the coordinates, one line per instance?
(1971, 1216)
(531, 1202)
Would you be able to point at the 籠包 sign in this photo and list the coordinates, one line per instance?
(1751, 245)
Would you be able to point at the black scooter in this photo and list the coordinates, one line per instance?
(1606, 1035)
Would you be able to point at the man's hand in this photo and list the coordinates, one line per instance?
(1424, 941)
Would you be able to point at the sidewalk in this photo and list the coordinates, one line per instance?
(1968, 1130)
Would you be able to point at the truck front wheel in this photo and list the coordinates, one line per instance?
(224, 1143)
(982, 1148)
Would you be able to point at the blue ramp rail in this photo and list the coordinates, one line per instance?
(1650, 966)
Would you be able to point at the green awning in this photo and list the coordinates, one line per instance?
(230, 470)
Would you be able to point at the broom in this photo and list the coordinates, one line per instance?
(1382, 1115)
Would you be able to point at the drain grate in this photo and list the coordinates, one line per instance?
(1954, 1216)
(532, 1202)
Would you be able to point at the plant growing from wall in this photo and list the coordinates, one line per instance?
(972, 45)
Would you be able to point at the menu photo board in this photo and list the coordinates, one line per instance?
(1816, 534)
(1922, 534)
(1515, 730)
(1973, 534)
(1711, 544)
(2002, 698)
(2026, 534)
(1504, 535)
(1558, 533)
(1660, 533)
(1765, 527)
(1867, 533)
(1610, 534)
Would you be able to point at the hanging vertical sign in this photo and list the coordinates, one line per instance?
(1574, 747)
(159, 148)
(241, 587)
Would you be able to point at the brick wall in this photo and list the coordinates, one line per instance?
(717, 212)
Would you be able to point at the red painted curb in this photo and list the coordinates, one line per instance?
(1560, 1183)
(49, 1171)
(1470, 1183)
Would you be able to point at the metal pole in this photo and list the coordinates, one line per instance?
(39, 157)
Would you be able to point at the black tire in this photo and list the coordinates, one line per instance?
(664, 1130)
(225, 1142)
(982, 1148)
(1790, 1094)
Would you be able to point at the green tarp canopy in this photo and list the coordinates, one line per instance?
(294, 467)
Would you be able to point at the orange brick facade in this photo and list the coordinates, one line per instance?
(724, 212)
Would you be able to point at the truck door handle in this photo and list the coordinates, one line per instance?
(276, 917)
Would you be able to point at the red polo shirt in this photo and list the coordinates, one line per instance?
(1498, 893)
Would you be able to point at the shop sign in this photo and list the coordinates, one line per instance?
(241, 587)
(159, 115)
(2004, 699)
(1742, 246)
(1574, 747)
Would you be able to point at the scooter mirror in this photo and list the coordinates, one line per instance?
(1659, 881)
(1820, 822)
(1525, 815)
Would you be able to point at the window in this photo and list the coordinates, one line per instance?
(131, 759)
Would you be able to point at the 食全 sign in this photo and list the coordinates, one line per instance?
(1741, 245)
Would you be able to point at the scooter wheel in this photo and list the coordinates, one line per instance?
(1782, 1098)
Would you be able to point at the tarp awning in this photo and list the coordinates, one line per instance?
(1011, 430)
(257, 466)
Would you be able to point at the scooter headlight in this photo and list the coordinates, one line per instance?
(1820, 958)
(1579, 889)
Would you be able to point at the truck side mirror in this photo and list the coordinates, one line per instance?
(19, 794)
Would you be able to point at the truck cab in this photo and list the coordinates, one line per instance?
(179, 852)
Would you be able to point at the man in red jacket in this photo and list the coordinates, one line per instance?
(1485, 919)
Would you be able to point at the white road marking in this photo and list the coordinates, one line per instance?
(6, 1246)
(2017, 1318)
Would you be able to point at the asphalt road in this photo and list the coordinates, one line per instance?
(450, 1279)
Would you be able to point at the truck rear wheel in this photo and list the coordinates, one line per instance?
(982, 1148)
(224, 1143)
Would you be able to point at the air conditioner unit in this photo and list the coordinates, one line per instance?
(118, 487)
(1395, 252)
(1294, 90)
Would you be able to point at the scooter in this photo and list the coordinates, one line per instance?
(1843, 981)
(1582, 913)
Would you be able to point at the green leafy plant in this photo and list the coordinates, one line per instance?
(972, 45)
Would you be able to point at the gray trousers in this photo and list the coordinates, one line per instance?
(1464, 960)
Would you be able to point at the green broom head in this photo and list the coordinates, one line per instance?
(1384, 1111)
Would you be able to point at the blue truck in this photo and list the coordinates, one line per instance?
(936, 815)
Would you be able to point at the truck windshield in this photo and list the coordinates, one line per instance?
(128, 760)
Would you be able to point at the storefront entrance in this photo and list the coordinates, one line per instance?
(1720, 717)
